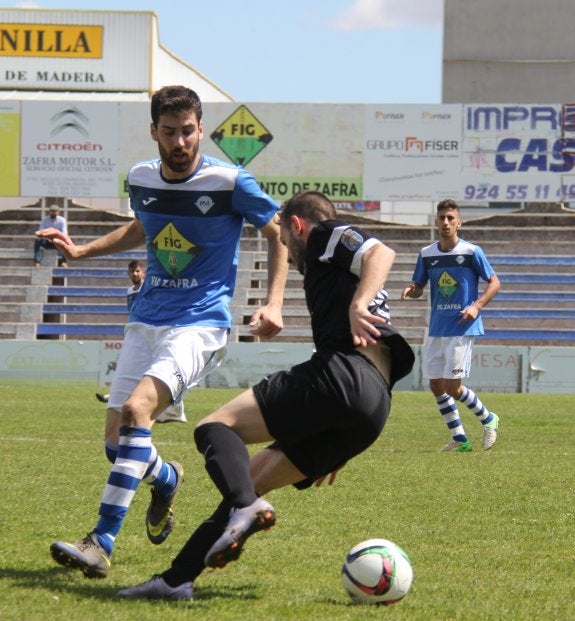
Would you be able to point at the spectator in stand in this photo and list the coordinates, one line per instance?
(52, 221)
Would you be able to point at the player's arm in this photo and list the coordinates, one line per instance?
(267, 321)
(491, 290)
(126, 237)
(413, 291)
(375, 267)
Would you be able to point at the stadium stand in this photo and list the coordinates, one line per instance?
(529, 250)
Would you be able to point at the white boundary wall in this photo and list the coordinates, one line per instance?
(495, 369)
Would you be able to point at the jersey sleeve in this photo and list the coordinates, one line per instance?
(482, 265)
(344, 245)
(131, 197)
(420, 275)
(249, 200)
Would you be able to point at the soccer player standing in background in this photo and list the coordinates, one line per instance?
(136, 274)
(453, 268)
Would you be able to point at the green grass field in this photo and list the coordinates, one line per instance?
(490, 534)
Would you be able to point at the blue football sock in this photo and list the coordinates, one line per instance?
(472, 401)
(126, 473)
(450, 415)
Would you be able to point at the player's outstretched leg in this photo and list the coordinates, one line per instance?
(242, 523)
(177, 582)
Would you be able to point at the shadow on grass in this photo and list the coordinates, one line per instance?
(349, 604)
(246, 592)
(63, 580)
(58, 580)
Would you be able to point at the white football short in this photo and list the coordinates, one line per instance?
(447, 357)
(173, 414)
(180, 357)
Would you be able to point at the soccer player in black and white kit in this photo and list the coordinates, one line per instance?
(319, 414)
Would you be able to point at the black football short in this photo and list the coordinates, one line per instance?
(324, 411)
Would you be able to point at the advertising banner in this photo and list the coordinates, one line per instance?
(497, 369)
(412, 152)
(75, 50)
(291, 147)
(69, 149)
(47, 359)
(359, 156)
(516, 152)
(10, 148)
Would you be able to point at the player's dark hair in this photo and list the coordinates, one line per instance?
(447, 203)
(309, 204)
(173, 99)
(132, 265)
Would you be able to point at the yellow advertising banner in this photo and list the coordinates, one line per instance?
(51, 40)
(9, 152)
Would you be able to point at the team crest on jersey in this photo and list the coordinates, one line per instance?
(447, 285)
(351, 239)
(204, 204)
(173, 250)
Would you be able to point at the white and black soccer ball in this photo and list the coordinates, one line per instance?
(377, 571)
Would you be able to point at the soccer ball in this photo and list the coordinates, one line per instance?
(377, 571)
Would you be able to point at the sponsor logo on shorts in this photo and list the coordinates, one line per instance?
(180, 379)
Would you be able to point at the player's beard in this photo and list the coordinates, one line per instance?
(179, 160)
(297, 254)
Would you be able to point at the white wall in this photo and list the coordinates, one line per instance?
(495, 369)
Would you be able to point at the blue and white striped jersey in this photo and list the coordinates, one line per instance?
(193, 228)
(131, 296)
(453, 277)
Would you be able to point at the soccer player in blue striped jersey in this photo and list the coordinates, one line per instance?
(189, 211)
(453, 267)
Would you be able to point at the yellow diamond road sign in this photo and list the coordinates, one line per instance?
(241, 136)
